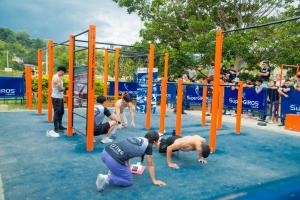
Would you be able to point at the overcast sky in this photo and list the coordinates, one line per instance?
(56, 19)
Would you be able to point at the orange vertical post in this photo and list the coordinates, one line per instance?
(281, 74)
(166, 65)
(116, 92)
(105, 72)
(204, 96)
(29, 88)
(239, 108)
(163, 98)
(217, 68)
(91, 88)
(163, 105)
(220, 111)
(179, 107)
(50, 75)
(297, 70)
(150, 80)
(26, 85)
(70, 90)
(40, 77)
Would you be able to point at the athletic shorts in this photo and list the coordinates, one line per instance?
(102, 129)
(165, 142)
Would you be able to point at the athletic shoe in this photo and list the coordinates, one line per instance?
(106, 140)
(101, 181)
(52, 133)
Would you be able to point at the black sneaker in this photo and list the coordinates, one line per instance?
(56, 130)
(62, 128)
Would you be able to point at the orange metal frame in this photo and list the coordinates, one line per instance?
(105, 73)
(70, 90)
(40, 77)
(150, 84)
(163, 101)
(91, 88)
(50, 75)
(116, 92)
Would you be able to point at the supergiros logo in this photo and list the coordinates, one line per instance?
(294, 107)
(8, 92)
(253, 104)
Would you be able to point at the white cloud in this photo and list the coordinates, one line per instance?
(56, 19)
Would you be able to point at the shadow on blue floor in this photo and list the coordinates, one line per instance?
(258, 164)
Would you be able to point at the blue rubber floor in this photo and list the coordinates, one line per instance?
(254, 165)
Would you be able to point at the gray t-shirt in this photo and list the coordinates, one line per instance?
(129, 148)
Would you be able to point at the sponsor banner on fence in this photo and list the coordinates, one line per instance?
(171, 92)
(126, 87)
(12, 87)
(142, 90)
(291, 104)
(80, 86)
(251, 99)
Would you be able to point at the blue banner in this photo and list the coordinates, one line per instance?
(126, 87)
(12, 87)
(171, 92)
(142, 90)
(291, 104)
(251, 99)
(194, 94)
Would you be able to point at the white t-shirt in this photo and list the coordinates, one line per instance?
(55, 92)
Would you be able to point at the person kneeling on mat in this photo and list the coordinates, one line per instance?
(126, 101)
(100, 128)
(186, 143)
(116, 157)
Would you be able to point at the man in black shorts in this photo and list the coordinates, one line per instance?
(186, 143)
(101, 128)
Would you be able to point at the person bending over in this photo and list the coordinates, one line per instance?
(186, 143)
(126, 101)
(116, 157)
(100, 128)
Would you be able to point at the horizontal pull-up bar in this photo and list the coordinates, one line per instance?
(263, 25)
(113, 44)
(81, 33)
(62, 43)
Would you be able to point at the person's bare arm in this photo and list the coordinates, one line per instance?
(118, 112)
(132, 110)
(281, 92)
(151, 169)
(170, 149)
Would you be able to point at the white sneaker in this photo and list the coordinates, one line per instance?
(106, 140)
(52, 133)
(101, 181)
